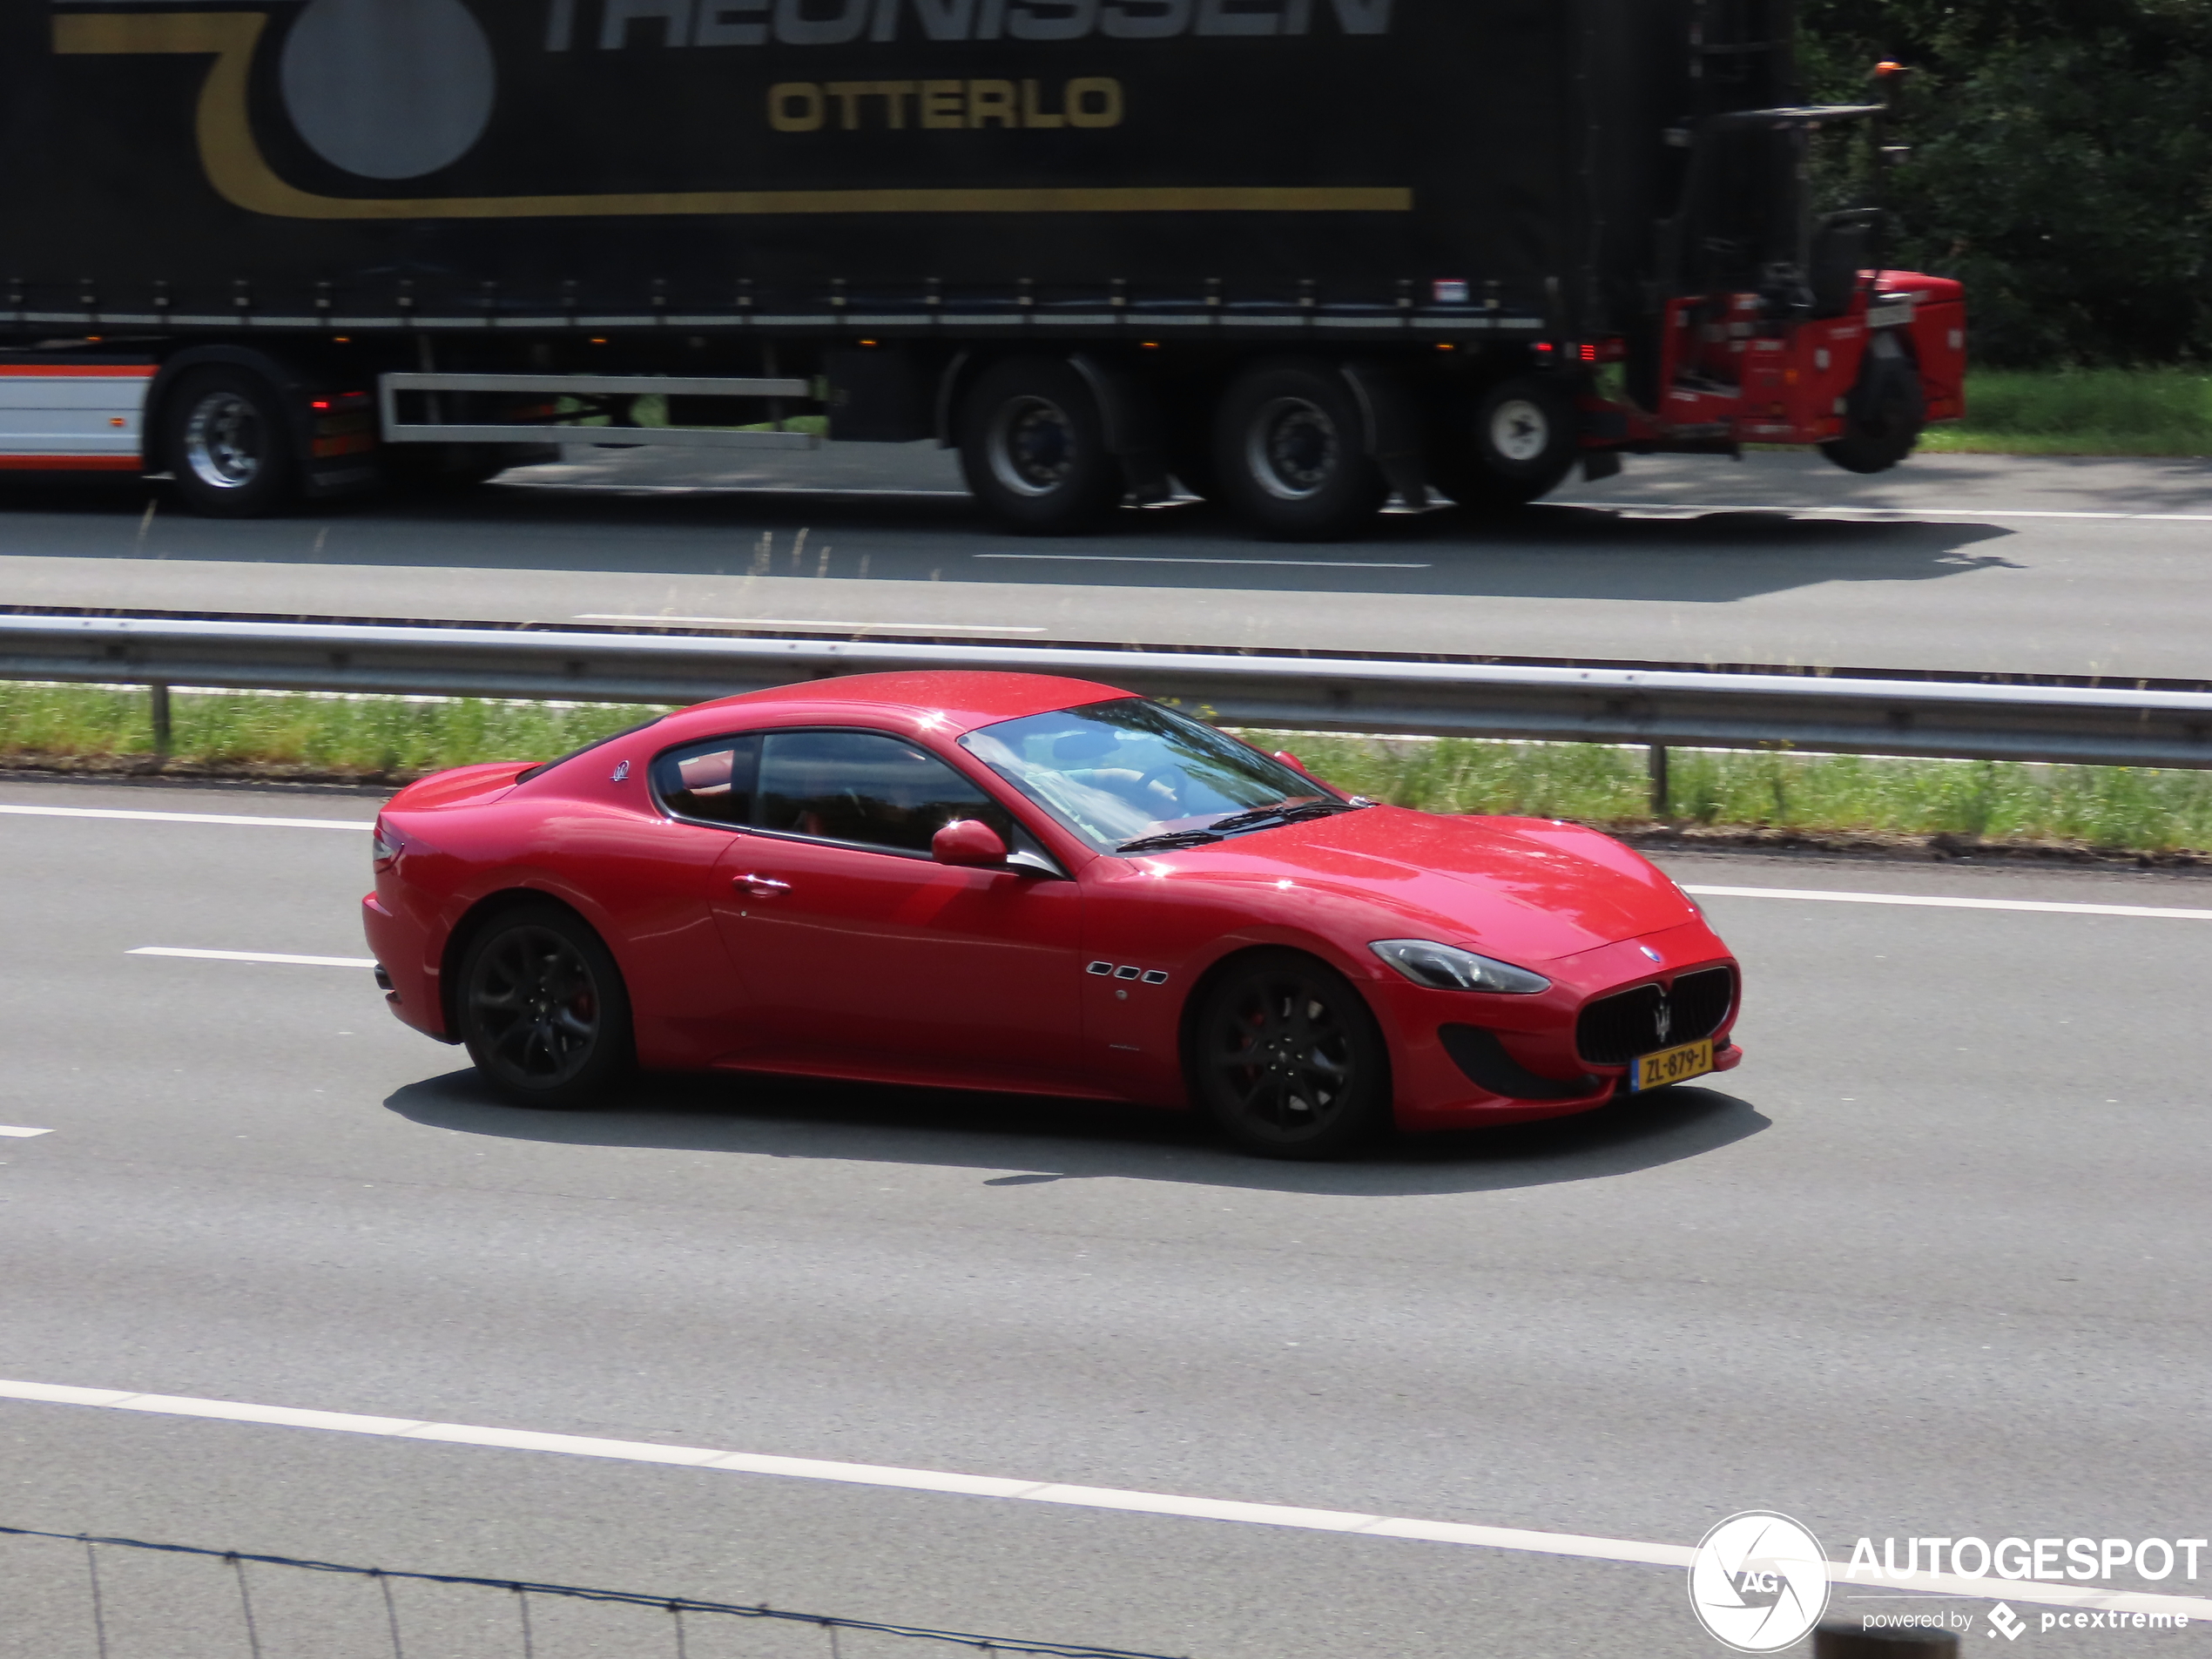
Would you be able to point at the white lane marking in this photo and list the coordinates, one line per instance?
(22, 1134)
(1885, 515)
(1825, 897)
(191, 817)
(814, 622)
(253, 956)
(1162, 558)
(1575, 1545)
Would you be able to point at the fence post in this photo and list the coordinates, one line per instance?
(157, 713)
(1661, 794)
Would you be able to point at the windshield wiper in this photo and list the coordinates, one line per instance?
(1172, 839)
(1263, 817)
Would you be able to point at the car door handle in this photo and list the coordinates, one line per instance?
(760, 887)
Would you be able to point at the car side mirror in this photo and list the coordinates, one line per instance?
(968, 842)
(1292, 762)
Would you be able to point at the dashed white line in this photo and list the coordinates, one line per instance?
(816, 622)
(1580, 1546)
(1824, 896)
(22, 1134)
(253, 956)
(191, 817)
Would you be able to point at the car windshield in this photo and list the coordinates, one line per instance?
(1129, 770)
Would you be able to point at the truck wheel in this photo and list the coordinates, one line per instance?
(1033, 448)
(1884, 415)
(1289, 454)
(225, 439)
(1507, 445)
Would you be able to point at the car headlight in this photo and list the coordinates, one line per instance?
(1446, 968)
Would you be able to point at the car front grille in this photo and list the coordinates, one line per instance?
(1615, 1029)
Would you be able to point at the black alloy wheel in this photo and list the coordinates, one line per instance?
(543, 1009)
(1885, 413)
(1290, 453)
(1033, 448)
(223, 437)
(1287, 1059)
(1507, 444)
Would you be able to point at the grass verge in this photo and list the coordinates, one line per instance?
(2123, 810)
(369, 739)
(2081, 412)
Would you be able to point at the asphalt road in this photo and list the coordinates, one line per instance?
(1987, 564)
(1932, 1262)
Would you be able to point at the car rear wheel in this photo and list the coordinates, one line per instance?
(1288, 1061)
(544, 1010)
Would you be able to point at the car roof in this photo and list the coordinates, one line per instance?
(955, 700)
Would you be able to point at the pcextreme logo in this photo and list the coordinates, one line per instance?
(1758, 1582)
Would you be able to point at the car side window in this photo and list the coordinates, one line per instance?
(865, 787)
(714, 780)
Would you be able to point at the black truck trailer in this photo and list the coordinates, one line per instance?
(1297, 255)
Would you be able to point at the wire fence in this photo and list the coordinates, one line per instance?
(68, 1593)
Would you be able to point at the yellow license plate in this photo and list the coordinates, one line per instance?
(1671, 1066)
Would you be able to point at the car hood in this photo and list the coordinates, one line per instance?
(1524, 889)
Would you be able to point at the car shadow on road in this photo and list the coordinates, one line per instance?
(1029, 1141)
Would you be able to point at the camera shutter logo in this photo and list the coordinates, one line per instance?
(1758, 1582)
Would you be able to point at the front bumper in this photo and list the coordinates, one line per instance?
(1464, 1059)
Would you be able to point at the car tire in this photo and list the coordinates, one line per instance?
(1289, 454)
(1033, 448)
(1505, 445)
(1287, 1060)
(1885, 413)
(543, 1009)
(225, 439)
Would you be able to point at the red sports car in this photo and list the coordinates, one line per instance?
(1010, 881)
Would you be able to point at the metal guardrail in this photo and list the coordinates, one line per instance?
(361, 1609)
(2096, 725)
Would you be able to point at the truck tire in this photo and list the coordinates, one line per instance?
(1883, 414)
(1033, 448)
(225, 438)
(1507, 445)
(1289, 454)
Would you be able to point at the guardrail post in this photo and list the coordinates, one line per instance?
(158, 712)
(1850, 1642)
(1661, 793)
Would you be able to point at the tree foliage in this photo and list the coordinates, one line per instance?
(2062, 165)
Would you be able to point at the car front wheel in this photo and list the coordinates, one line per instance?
(543, 1011)
(1288, 1062)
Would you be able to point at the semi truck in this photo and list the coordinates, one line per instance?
(1301, 256)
